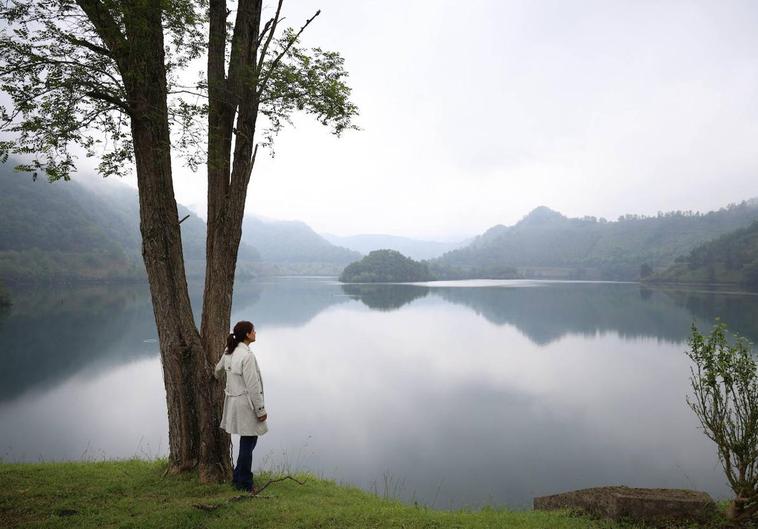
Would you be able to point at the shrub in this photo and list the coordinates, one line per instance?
(725, 399)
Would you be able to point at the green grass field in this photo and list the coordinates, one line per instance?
(135, 493)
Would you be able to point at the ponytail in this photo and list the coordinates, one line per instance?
(241, 329)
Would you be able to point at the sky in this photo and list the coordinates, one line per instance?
(474, 113)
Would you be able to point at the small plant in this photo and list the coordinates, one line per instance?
(725, 399)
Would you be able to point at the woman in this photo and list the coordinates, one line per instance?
(244, 411)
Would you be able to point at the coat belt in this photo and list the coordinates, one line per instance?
(245, 392)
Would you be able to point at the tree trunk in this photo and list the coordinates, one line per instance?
(226, 192)
(194, 436)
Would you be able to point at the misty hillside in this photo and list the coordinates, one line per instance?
(413, 248)
(293, 247)
(547, 244)
(731, 259)
(70, 231)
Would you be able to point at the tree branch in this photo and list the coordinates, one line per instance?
(255, 494)
(86, 44)
(188, 92)
(109, 98)
(105, 25)
(272, 29)
(266, 28)
(278, 58)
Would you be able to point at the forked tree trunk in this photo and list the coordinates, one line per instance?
(193, 397)
(195, 439)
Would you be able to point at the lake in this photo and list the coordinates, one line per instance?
(452, 394)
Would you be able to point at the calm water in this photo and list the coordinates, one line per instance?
(452, 394)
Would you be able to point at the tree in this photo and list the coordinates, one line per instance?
(107, 76)
(725, 399)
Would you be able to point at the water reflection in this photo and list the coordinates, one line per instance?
(546, 312)
(289, 302)
(385, 297)
(459, 394)
(51, 333)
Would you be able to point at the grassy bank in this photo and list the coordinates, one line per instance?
(136, 494)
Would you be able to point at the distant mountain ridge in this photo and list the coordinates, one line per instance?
(293, 247)
(548, 244)
(414, 248)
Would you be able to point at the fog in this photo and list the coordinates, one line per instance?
(473, 114)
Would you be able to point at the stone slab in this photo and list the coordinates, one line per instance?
(643, 505)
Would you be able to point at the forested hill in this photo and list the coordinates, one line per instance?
(731, 259)
(547, 244)
(69, 231)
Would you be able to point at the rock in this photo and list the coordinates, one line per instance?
(642, 505)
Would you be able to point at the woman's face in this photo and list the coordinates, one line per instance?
(251, 335)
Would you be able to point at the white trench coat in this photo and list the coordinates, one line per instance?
(243, 401)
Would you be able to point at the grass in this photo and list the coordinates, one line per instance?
(135, 494)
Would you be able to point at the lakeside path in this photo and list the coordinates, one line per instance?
(134, 493)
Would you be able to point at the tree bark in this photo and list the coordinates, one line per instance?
(193, 431)
(226, 192)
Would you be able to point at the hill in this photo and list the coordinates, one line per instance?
(292, 247)
(731, 259)
(385, 266)
(413, 248)
(68, 231)
(548, 244)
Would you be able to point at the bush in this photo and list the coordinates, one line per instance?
(725, 399)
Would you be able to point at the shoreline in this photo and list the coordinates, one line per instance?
(137, 493)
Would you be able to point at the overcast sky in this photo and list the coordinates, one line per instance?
(473, 113)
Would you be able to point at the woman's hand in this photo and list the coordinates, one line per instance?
(262, 418)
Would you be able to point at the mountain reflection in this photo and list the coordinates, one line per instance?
(284, 302)
(738, 311)
(50, 334)
(546, 312)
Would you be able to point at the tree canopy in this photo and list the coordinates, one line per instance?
(67, 83)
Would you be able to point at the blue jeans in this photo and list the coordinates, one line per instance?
(243, 472)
